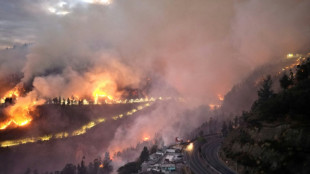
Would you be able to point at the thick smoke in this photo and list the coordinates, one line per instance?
(201, 48)
(12, 61)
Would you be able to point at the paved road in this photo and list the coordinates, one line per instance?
(196, 162)
(211, 150)
(207, 161)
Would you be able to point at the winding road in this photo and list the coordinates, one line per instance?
(206, 160)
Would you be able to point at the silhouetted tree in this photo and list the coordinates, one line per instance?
(285, 81)
(97, 163)
(55, 100)
(69, 169)
(302, 72)
(144, 156)
(107, 167)
(265, 92)
(291, 76)
(153, 149)
(82, 168)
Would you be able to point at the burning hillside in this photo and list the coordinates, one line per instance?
(20, 106)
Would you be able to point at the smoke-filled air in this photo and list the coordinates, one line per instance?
(86, 79)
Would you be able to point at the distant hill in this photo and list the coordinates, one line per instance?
(242, 95)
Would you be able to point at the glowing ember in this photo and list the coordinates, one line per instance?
(214, 106)
(147, 138)
(220, 97)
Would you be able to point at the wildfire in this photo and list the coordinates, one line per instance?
(214, 106)
(5, 124)
(104, 90)
(19, 113)
(61, 135)
(14, 93)
(220, 97)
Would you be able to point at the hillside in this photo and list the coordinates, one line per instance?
(242, 95)
(274, 136)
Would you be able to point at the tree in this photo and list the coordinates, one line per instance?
(291, 76)
(82, 168)
(55, 100)
(144, 156)
(285, 81)
(97, 163)
(107, 167)
(153, 149)
(265, 92)
(69, 169)
(302, 72)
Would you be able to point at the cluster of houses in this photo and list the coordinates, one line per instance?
(166, 160)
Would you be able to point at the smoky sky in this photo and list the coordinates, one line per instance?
(201, 48)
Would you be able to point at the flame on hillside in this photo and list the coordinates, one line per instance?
(13, 93)
(60, 135)
(20, 113)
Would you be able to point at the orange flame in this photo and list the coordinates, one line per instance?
(19, 113)
(106, 90)
(146, 138)
(14, 93)
(214, 106)
(220, 97)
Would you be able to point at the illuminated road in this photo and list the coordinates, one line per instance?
(197, 164)
(207, 161)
